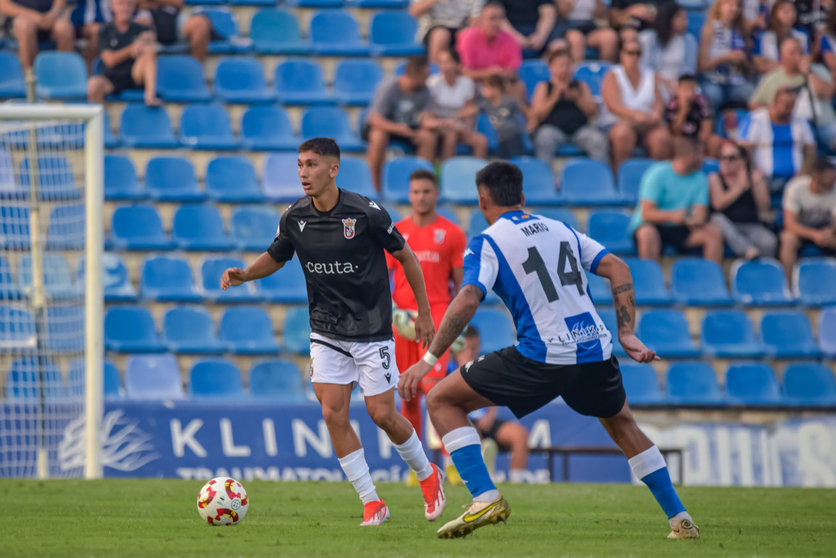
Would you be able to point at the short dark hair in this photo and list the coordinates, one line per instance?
(495, 80)
(470, 332)
(416, 63)
(454, 55)
(558, 53)
(822, 164)
(321, 146)
(494, 4)
(689, 78)
(423, 174)
(503, 180)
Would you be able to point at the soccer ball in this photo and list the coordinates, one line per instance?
(222, 501)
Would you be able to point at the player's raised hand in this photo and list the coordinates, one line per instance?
(409, 384)
(424, 328)
(635, 349)
(232, 277)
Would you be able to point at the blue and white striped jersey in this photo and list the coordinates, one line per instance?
(536, 266)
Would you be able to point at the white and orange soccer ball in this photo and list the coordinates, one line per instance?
(222, 501)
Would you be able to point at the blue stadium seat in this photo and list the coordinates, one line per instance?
(66, 228)
(277, 380)
(180, 79)
(300, 82)
(248, 331)
(286, 285)
(144, 127)
(56, 180)
(172, 179)
(558, 214)
(317, 3)
(335, 33)
(8, 183)
(649, 282)
(120, 181)
(788, 335)
(331, 122)
(112, 381)
(115, 279)
(696, 20)
(190, 330)
(296, 331)
(215, 378)
(210, 284)
(27, 379)
(496, 329)
(17, 329)
(612, 229)
(458, 179)
(592, 74)
(666, 332)
(599, 290)
(60, 75)
(12, 84)
(760, 283)
(63, 324)
(608, 317)
(588, 182)
(356, 176)
(131, 329)
(153, 377)
(280, 182)
(14, 227)
(9, 289)
(355, 81)
(693, 383)
(206, 127)
(168, 279)
(484, 127)
(396, 177)
(827, 331)
(698, 282)
(477, 223)
(629, 178)
(268, 128)
(392, 33)
(253, 228)
(815, 281)
(752, 384)
(729, 334)
(538, 181)
(231, 179)
(200, 228)
(533, 72)
(277, 32)
(57, 277)
(138, 227)
(226, 38)
(809, 383)
(641, 384)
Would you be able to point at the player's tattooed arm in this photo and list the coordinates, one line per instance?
(458, 315)
(625, 304)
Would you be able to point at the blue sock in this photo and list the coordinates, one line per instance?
(650, 467)
(465, 448)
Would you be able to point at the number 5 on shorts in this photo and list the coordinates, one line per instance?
(385, 357)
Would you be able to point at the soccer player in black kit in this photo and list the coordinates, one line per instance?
(340, 238)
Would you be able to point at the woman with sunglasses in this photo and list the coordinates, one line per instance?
(634, 107)
(740, 200)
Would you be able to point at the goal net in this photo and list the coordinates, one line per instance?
(51, 298)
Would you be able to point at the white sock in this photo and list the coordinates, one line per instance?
(647, 462)
(413, 453)
(674, 521)
(518, 476)
(357, 471)
(488, 496)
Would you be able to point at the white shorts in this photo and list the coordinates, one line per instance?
(371, 364)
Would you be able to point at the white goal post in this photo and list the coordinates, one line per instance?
(32, 138)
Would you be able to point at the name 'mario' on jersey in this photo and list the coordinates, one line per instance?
(536, 266)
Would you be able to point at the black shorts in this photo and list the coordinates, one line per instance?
(454, 31)
(121, 81)
(671, 235)
(507, 378)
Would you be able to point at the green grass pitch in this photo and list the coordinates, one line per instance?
(158, 518)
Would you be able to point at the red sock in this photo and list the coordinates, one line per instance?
(412, 411)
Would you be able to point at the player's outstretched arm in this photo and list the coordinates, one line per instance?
(424, 328)
(624, 298)
(263, 266)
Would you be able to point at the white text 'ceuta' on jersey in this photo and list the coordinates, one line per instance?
(536, 266)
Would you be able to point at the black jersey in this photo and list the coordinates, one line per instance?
(341, 253)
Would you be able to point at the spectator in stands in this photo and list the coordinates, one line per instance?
(673, 207)
(563, 109)
(128, 56)
(439, 21)
(486, 49)
(779, 141)
(37, 21)
(723, 57)
(740, 201)
(397, 109)
(793, 72)
(578, 18)
(689, 114)
(632, 16)
(782, 20)
(507, 116)
(815, 104)
(755, 14)
(533, 24)
(87, 17)
(827, 42)
(633, 98)
(667, 47)
(809, 214)
(453, 108)
(170, 26)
